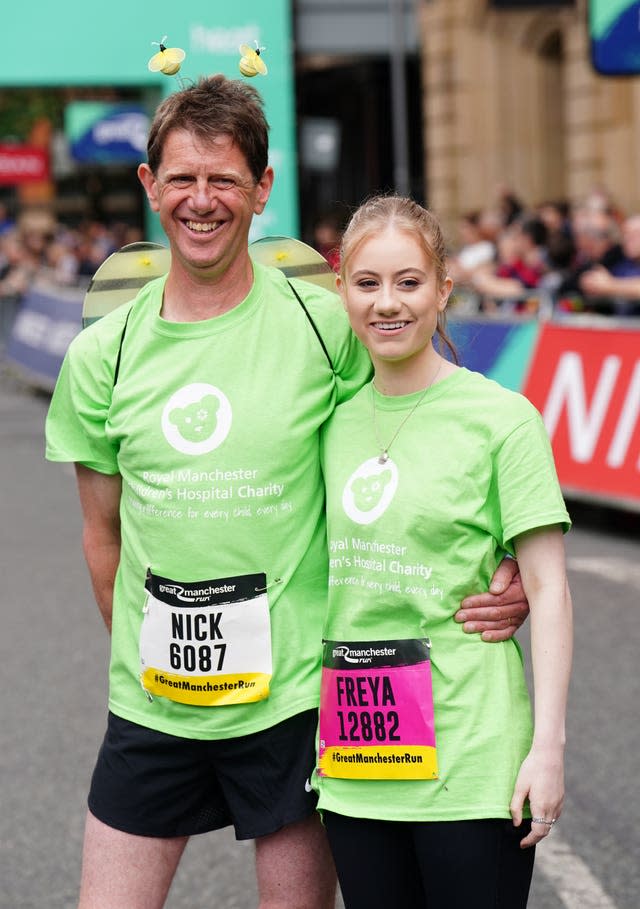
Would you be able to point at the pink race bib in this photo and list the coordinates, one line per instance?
(376, 711)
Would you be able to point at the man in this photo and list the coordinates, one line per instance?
(619, 283)
(193, 416)
(596, 236)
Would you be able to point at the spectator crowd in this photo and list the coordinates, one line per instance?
(35, 246)
(35, 249)
(551, 257)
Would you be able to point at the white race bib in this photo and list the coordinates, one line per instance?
(206, 643)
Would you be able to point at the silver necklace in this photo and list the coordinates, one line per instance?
(383, 457)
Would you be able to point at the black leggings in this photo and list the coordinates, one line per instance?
(430, 865)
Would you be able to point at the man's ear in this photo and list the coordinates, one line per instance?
(150, 184)
(263, 190)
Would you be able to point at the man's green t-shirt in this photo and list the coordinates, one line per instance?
(468, 471)
(214, 427)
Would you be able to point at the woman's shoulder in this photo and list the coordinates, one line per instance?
(485, 389)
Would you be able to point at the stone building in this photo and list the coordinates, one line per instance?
(510, 97)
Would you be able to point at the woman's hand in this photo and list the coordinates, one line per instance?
(541, 780)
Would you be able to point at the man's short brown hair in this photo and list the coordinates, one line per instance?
(212, 107)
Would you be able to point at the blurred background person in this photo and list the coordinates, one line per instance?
(6, 221)
(621, 281)
(327, 234)
(560, 245)
(476, 249)
(510, 206)
(521, 265)
(18, 265)
(597, 243)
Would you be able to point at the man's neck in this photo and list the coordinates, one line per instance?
(190, 298)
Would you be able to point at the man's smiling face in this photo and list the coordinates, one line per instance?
(206, 197)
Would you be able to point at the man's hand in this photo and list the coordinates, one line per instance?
(498, 614)
(596, 281)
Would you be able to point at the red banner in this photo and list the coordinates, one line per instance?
(23, 164)
(586, 384)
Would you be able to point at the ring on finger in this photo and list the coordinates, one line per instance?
(543, 820)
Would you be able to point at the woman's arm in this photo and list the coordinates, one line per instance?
(541, 558)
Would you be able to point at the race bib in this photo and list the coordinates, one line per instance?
(376, 711)
(206, 643)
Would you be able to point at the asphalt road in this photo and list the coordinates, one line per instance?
(53, 661)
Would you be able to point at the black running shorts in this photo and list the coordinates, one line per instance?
(149, 783)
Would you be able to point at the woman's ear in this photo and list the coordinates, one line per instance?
(445, 291)
(340, 289)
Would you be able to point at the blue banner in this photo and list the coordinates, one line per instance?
(615, 36)
(104, 133)
(46, 323)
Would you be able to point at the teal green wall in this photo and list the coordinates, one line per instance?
(76, 43)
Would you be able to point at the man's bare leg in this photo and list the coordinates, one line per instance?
(295, 869)
(120, 869)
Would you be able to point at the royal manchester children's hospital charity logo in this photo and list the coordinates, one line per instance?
(196, 419)
(369, 490)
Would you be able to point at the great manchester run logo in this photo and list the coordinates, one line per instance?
(369, 490)
(196, 419)
(361, 654)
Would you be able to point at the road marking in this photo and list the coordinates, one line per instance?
(620, 571)
(570, 877)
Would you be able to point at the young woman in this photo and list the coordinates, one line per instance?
(434, 784)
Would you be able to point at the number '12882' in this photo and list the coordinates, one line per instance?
(367, 726)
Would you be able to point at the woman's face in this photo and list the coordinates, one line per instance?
(392, 295)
